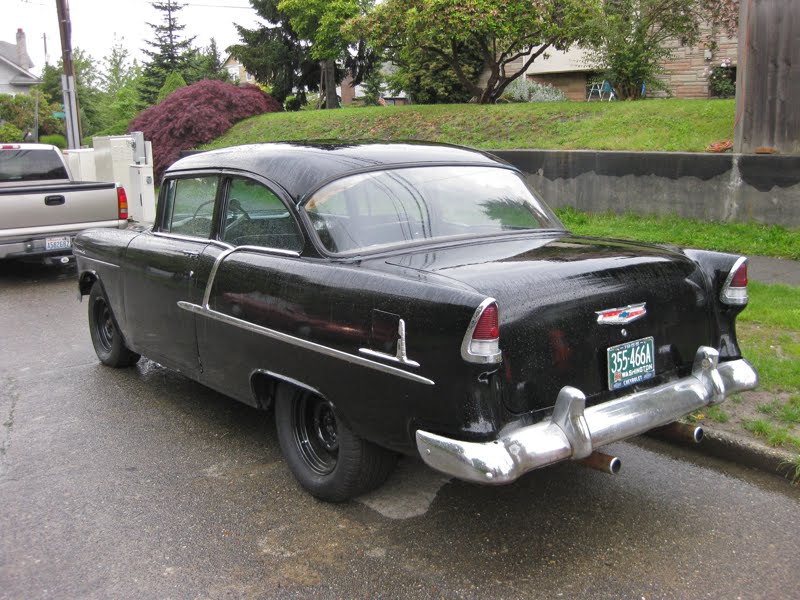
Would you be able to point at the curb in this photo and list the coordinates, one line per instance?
(740, 450)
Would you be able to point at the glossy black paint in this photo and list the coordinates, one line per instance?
(548, 286)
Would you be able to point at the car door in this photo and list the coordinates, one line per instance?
(254, 220)
(163, 267)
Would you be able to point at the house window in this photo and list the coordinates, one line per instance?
(234, 73)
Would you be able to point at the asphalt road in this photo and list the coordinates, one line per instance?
(139, 483)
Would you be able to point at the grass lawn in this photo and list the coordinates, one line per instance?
(750, 239)
(655, 125)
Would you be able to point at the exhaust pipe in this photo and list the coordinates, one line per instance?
(682, 432)
(602, 462)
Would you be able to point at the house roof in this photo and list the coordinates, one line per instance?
(22, 77)
(9, 52)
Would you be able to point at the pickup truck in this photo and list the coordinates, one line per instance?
(42, 208)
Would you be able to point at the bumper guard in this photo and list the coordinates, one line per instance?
(574, 431)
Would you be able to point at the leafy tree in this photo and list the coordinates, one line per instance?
(276, 55)
(174, 81)
(629, 37)
(427, 78)
(87, 84)
(197, 114)
(507, 34)
(19, 111)
(321, 23)
(120, 98)
(170, 52)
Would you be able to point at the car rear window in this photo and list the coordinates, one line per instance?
(31, 165)
(384, 208)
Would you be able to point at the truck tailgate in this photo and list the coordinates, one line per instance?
(57, 204)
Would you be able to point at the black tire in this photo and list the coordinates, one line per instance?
(106, 336)
(328, 459)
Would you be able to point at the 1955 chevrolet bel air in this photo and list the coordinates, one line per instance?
(410, 298)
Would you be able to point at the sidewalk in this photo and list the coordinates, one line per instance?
(766, 269)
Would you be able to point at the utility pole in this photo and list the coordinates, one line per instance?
(70, 91)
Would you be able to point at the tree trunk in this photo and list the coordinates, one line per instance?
(328, 91)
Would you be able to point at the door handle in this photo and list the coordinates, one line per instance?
(54, 200)
(190, 253)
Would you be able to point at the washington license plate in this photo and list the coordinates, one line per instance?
(58, 243)
(630, 363)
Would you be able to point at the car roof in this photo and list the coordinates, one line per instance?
(301, 167)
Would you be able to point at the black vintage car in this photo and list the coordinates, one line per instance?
(410, 298)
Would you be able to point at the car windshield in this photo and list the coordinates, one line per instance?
(383, 208)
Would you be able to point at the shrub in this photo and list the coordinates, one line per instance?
(10, 133)
(722, 80)
(197, 114)
(526, 90)
(55, 140)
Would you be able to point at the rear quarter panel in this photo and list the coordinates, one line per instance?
(345, 307)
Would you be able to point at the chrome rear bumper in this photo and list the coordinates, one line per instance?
(574, 431)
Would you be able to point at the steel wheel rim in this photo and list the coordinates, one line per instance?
(104, 325)
(315, 433)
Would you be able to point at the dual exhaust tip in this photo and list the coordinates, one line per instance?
(675, 431)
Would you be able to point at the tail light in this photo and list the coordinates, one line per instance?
(482, 341)
(122, 203)
(734, 290)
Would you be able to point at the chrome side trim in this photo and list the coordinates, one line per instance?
(230, 250)
(401, 356)
(466, 354)
(573, 431)
(97, 260)
(301, 343)
(726, 294)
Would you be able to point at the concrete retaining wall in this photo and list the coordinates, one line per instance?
(717, 187)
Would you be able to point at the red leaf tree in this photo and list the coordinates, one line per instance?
(197, 114)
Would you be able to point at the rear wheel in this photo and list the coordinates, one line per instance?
(328, 459)
(106, 337)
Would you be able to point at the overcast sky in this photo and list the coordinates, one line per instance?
(95, 23)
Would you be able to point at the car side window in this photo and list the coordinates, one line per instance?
(189, 206)
(255, 216)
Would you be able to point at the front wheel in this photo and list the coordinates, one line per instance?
(106, 336)
(328, 459)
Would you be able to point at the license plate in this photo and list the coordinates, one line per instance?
(58, 243)
(630, 363)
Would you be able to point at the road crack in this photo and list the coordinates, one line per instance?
(8, 424)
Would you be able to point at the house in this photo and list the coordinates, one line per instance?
(685, 73)
(236, 70)
(15, 77)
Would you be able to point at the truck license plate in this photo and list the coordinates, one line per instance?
(58, 243)
(630, 363)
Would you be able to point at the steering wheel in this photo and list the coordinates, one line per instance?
(202, 204)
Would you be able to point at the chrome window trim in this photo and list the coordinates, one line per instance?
(466, 354)
(724, 296)
(301, 343)
(230, 250)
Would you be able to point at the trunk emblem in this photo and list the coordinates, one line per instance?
(621, 316)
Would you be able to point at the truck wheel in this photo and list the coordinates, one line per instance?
(106, 337)
(328, 459)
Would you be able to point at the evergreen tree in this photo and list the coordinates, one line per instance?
(276, 55)
(119, 81)
(169, 52)
(207, 64)
(173, 82)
